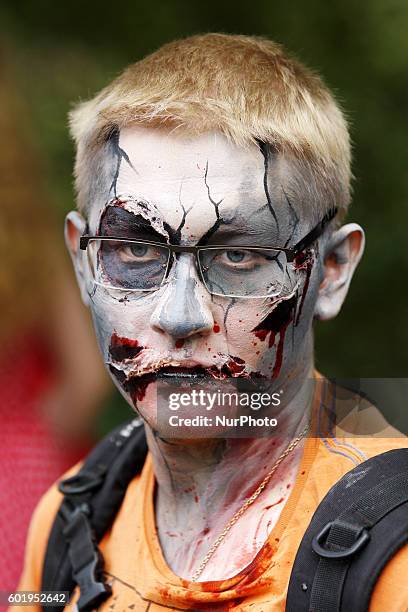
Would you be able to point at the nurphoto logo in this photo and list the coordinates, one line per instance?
(205, 410)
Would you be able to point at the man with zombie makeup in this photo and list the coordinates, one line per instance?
(212, 180)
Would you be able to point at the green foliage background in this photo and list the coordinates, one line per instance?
(66, 51)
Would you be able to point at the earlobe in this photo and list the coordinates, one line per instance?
(341, 257)
(75, 226)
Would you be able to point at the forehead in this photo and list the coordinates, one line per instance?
(191, 180)
(180, 156)
(172, 172)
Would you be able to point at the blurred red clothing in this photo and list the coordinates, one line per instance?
(32, 456)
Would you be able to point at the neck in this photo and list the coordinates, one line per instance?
(187, 468)
(202, 483)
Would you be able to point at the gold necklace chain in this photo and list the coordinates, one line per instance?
(246, 504)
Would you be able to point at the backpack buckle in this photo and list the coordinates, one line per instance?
(92, 591)
(86, 560)
(317, 542)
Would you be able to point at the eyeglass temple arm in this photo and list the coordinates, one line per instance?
(173, 248)
(84, 239)
(314, 233)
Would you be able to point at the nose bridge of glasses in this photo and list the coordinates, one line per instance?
(183, 310)
(183, 264)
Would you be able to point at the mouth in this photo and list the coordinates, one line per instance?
(234, 367)
(175, 373)
(136, 384)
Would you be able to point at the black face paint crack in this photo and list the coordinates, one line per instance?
(177, 232)
(120, 154)
(226, 313)
(265, 150)
(216, 205)
(295, 218)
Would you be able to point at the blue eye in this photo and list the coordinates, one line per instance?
(235, 256)
(138, 250)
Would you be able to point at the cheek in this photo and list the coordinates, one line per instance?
(119, 324)
(270, 336)
(242, 317)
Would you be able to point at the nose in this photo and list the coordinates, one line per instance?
(183, 309)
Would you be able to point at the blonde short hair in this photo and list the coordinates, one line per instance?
(246, 87)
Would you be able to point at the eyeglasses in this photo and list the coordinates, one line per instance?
(228, 271)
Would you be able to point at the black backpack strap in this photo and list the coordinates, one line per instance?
(91, 501)
(358, 527)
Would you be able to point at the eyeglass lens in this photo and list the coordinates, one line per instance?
(243, 272)
(128, 265)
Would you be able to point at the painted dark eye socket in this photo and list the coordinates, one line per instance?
(127, 264)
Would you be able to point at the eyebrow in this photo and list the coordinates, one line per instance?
(116, 221)
(216, 235)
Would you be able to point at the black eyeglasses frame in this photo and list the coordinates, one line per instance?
(291, 253)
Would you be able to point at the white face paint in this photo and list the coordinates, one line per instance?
(204, 190)
(184, 190)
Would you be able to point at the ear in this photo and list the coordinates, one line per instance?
(342, 254)
(75, 226)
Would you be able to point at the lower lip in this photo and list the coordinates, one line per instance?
(182, 375)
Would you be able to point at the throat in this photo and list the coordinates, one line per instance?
(191, 516)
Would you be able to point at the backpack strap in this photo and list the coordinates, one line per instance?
(92, 498)
(358, 527)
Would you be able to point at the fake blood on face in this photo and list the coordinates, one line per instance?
(234, 367)
(122, 348)
(279, 350)
(135, 386)
(276, 323)
(304, 261)
(137, 389)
